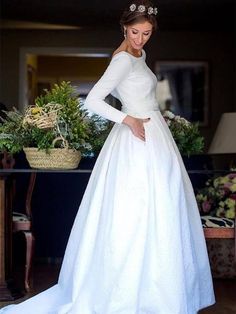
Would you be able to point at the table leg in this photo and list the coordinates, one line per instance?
(7, 290)
(5, 293)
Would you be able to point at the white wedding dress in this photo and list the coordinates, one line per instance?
(137, 244)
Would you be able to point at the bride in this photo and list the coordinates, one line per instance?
(137, 244)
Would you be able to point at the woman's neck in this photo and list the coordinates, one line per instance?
(135, 52)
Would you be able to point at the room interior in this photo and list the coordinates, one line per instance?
(42, 43)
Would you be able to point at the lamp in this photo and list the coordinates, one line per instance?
(224, 140)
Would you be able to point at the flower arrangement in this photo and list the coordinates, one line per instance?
(218, 197)
(56, 114)
(185, 134)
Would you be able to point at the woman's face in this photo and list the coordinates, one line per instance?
(138, 34)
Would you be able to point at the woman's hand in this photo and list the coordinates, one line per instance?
(136, 126)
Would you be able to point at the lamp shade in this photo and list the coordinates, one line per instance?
(224, 140)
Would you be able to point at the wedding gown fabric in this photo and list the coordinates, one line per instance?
(137, 244)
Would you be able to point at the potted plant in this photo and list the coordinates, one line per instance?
(52, 133)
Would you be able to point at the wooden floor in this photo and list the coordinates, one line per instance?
(225, 290)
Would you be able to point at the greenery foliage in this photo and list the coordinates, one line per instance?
(99, 130)
(11, 132)
(185, 134)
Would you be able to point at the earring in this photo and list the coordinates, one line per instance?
(125, 32)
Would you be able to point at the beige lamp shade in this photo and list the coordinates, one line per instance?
(224, 140)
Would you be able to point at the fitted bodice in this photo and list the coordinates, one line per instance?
(129, 79)
(137, 92)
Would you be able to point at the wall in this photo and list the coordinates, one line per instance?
(61, 66)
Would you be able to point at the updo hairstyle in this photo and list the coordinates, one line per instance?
(132, 17)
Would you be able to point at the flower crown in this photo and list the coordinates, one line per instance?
(141, 8)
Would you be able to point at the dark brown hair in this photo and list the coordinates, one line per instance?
(131, 17)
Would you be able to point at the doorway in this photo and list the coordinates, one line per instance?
(42, 67)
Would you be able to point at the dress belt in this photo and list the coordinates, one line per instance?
(139, 114)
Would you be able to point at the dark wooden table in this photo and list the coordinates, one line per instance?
(6, 293)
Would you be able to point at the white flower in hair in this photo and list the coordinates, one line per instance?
(150, 10)
(132, 7)
(141, 8)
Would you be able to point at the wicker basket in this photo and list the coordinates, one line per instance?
(42, 117)
(56, 158)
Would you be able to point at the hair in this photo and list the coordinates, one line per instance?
(131, 17)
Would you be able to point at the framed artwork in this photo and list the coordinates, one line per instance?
(183, 89)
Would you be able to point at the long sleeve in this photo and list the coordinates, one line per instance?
(116, 71)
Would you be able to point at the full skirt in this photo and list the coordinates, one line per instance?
(137, 244)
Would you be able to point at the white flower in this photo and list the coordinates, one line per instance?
(155, 11)
(150, 10)
(183, 121)
(168, 114)
(87, 146)
(141, 8)
(132, 7)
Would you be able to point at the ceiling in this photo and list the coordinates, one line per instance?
(173, 14)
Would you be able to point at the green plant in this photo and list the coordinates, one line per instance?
(185, 134)
(99, 130)
(11, 131)
(57, 113)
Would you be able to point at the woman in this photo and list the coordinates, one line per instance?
(137, 245)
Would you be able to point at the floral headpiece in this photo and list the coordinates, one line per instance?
(141, 8)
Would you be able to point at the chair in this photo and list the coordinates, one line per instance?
(220, 228)
(22, 222)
